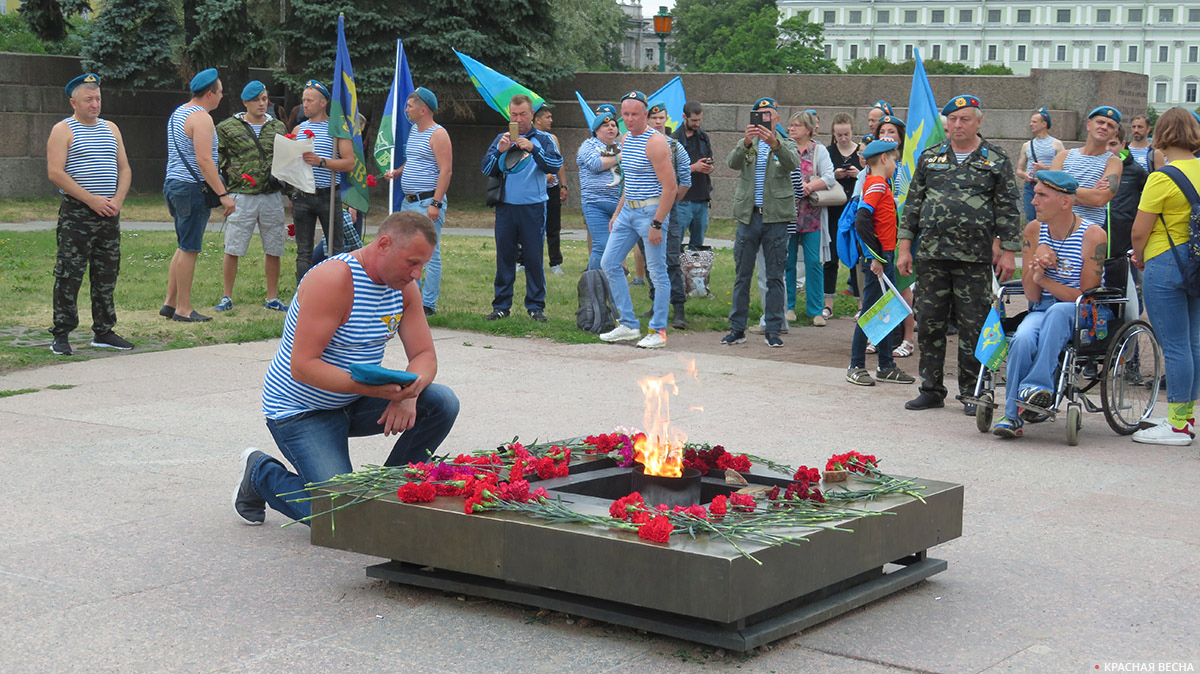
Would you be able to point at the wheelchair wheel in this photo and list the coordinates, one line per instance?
(983, 413)
(1074, 423)
(1132, 377)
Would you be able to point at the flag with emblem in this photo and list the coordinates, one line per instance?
(495, 88)
(343, 123)
(992, 346)
(885, 315)
(671, 95)
(924, 129)
(394, 125)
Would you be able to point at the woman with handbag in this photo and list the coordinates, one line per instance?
(1162, 234)
(811, 229)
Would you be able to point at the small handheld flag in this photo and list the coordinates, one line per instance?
(886, 315)
(992, 347)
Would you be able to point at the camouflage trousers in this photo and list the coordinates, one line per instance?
(91, 242)
(941, 284)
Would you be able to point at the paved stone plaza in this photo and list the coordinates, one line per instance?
(120, 549)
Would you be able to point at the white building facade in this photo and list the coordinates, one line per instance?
(640, 48)
(1160, 40)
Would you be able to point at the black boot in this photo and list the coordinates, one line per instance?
(679, 321)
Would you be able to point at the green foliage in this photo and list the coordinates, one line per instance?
(48, 19)
(133, 42)
(226, 40)
(882, 66)
(746, 36)
(697, 23)
(586, 35)
(17, 36)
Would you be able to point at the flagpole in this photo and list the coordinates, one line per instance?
(395, 113)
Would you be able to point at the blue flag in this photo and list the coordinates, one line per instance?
(343, 123)
(886, 315)
(394, 125)
(924, 130)
(992, 346)
(671, 94)
(495, 88)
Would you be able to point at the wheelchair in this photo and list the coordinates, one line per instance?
(1127, 363)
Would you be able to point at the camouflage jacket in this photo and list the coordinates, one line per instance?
(956, 210)
(238, 154)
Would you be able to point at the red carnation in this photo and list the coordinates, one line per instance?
(717, 507)
(309, 133)
(738, 462)
(804, 473)
(624, 505)
(371, 180)
(657, 530)
(696, 511)
(291, 229)
(742, 502)
(417, 492)
(249, 179)
(290, 136)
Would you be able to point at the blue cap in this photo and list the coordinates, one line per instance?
(635, 96)
(427, 97)
(203, 80)
(1060, 181)
(1196, 115)
(866, 139)
(600, 119)
(252, 89)
(1106, 111)
(959, 102)
(314, 84)
(86, 78)
(811, 111)
(877, 147)
(656, 107)
(1045, 114)
(609, 108)
(891, 119)
(765, 103)
(883, 105)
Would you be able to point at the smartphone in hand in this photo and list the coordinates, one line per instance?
(514, 130)
(758, 118)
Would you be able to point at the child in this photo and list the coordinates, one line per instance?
(876, 226)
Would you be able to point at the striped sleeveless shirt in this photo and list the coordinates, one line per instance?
(640, 180)
(1040, 150)
(1069, 253)
(177, 138)
(374, 321)
(1141, 155)
(420, 166)
(1088, 170)
(322, 147)
(92, 157)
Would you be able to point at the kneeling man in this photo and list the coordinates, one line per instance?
(345, 311)
(1063, 255)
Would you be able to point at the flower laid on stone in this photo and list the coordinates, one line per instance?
(851, 461)
(704, 459)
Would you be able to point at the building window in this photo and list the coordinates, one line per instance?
(1166, 15)
(1194, 16)
(991, 53)
(1063, 16)
(855, 16)
(883, 16)
(881, 51)
(936, 54)
(1020, 52)
(1135, 16)
(829, 17)
(1024, 16)
(853, 52)
(993, 16)
(1101, 53)
(828, 50)
(1160, 92)
(1103, 16)
(963, 52)
(1189, 92)
(910, 16)
(1060, 52)
(650, 55)
(1164, 53)
(965, 16)
(908, 52)
(937, 16)
(1193, 54)
(1132, 58)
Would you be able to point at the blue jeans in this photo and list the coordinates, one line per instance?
(316, 444)
(1176, 320)
(693, 219)
(632, 225)
(772, 238)
(871, 293)
(1027, 201)
(814, 272)
(185, 201)
(597, 214)
(432, 287)
(524, 224)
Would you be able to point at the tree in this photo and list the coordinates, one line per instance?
(586, 34)
(48, 18)
(756, 42)
(133, 42)
(697, 23)
(223, 37)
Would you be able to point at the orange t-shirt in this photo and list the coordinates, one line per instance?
(877, 196)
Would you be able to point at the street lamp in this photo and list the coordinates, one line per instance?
(662, 28)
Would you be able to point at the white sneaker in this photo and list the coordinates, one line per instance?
(789, 316)
(621, 333)
(1163, 434)
(557, 270)
(656, 339)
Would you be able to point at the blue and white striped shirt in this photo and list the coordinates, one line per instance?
(374, 321)
(682, 162)
(1087, 170)
(322, 147)
(178, 138)
(760, 170)
(1040, 150)
(1141, 155)
(1069, 253)
(420, 166)
(640, 180)
(92, 157)
(594, 179)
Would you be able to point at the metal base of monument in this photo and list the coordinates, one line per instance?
(781, 621)
(702, 589)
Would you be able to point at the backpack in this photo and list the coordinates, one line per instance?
(848, 242)
(596, 306)
(1189, 266)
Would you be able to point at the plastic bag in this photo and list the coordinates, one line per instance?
(288, 165)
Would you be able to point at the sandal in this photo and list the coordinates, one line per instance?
(827, 312)
(904, 350)
(871, 348)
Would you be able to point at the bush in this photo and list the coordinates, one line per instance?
(16, 36)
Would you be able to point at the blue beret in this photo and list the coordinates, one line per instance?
(314, 84)
(866, 139)
(877, 147)
(600, 119)
(891, 119)
(609, 108)
(811, 111)
(765, 103)
(883, 105)
(252, 89)
(1057, 180)
(86, 78)
(657, 107)
(1197, 116)
(1106, 111)
(635, 96)
(427, 97)
(203, 79)
(959, 102)
(1045, 116)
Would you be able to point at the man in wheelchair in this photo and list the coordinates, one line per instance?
(1063, 256)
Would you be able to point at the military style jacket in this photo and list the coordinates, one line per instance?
(955, 211)
(239, 154)
(779, 200)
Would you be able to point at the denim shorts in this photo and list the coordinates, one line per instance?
(185, 201)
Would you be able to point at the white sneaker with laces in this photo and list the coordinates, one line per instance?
(557, 270)
(1164, 434)
(621, 333)
(656, 339)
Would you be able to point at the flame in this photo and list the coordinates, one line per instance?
(691, 369)
(695, 408)
(660, 450)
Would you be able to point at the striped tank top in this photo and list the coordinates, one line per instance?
(420, 166)
(1141, 155)
(322, 147)
(760, 170)
(1040, 150)
(177, 138)
(374, 320)
(640, 179)
(1088, 170)
(596, 183)
(1069, 253)
(92, 157)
